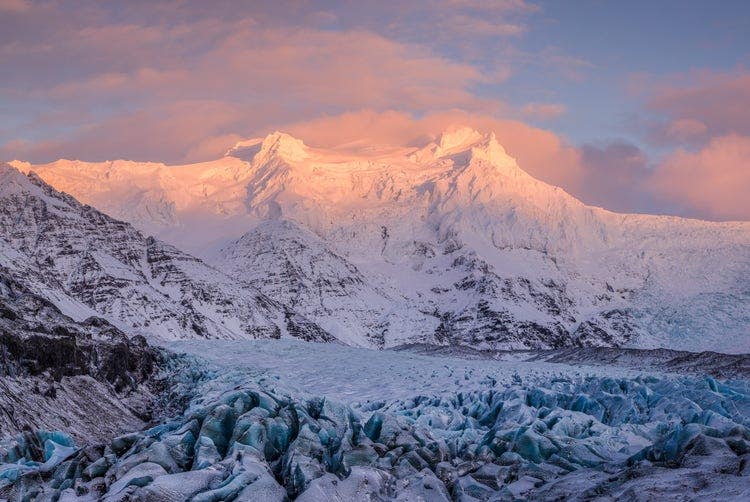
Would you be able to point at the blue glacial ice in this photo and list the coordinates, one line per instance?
(480, 431)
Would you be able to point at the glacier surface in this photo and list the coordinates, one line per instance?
(281, 419)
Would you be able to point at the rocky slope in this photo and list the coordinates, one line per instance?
(294, 266)
(88, 263)
(715, 364)
(87, 378)
(451, 243)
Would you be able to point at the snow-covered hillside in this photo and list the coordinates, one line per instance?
(88, 264)
(294, 266)
(450, 243)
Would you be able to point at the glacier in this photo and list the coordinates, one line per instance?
(284, 419)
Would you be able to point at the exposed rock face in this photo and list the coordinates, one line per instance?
(712, 363)
(700, 363)
(36, 338)
(88, 379)
(90, 264)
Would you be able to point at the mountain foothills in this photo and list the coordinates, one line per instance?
(449, 244)
(88, 264)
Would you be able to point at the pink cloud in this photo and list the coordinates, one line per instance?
(14, 5)
(543, 111)
(269, 65)
(262, 74)
(496, 5)
(459, 22)
(685, 130)
(329, 68)
(614, 175)
(184, 131)
(570, 67)
(710, 104)
(705, 113)
(713, 182)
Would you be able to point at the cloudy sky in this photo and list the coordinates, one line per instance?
(635, 106)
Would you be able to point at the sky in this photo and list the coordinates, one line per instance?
(639, 106)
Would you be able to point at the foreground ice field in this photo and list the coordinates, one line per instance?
(355, 376)
(272, 420)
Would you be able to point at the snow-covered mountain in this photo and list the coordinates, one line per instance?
(88, 264)
(450, 243)
(294, 266)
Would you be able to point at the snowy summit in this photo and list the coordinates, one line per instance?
(448, 243)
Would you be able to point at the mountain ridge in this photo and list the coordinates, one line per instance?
(462, 238)
(88, 263)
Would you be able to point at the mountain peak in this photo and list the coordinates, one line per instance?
(275, 144)
(284, 145)
(460, 138)
(466, 140)
(12, 180)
